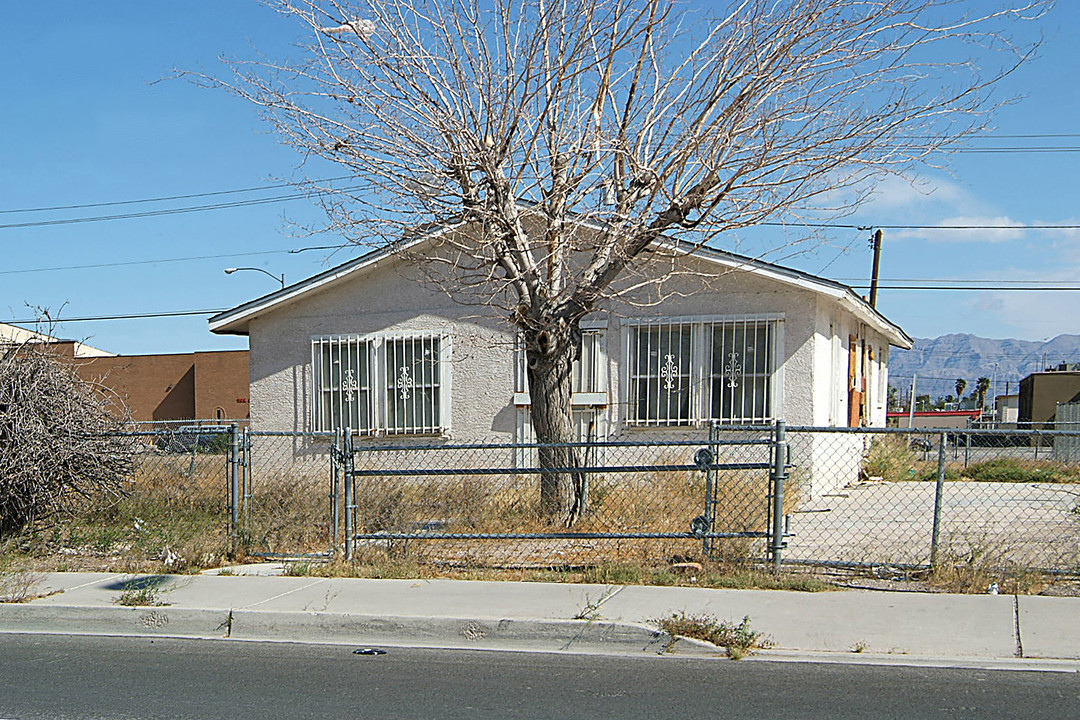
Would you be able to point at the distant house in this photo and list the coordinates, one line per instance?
(371, 345)
(1008, 410)
(1041, 392)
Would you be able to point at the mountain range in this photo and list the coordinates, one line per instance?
(938, 362)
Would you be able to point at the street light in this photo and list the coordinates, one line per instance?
(230, 271)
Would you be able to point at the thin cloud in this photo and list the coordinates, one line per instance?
(972, 229)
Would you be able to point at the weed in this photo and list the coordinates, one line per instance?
(18, 586)
(142, 592)
(591, 610)
(297, 569)
(972, 565)
(890, 458)
(859, 647)
(738, 640)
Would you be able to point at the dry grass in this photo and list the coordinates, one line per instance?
(377, 563)
(18, 586)
(737, 640)
(172, 517)
(980, 565)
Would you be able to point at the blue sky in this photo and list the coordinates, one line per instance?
(91, 116)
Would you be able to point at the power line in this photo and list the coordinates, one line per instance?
(169, 211)
(850, 226)
(960, 280)
(167, 260)
(131, 316)
(168, 198)
(1000, 288)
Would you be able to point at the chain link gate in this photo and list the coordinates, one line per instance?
(478, 504)
(283, 492)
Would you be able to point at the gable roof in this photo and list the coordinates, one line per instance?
(235, 321)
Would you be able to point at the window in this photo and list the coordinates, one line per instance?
(589, 395)
(588, 375)
(380, 385)
(660, 374)
(687, 371)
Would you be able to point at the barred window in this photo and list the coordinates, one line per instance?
(375, 384)
(741, 371)
(413, 388)
(682, 372)
(660, 377)
(589, 372)
(342, 383)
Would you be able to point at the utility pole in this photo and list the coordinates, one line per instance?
(911, 407)
(876, 242)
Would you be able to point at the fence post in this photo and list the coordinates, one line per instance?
(710, 493)
(347, 467)
(245, 476)
(938, 492)
(234, 480)
(779, 474)
(335, 485)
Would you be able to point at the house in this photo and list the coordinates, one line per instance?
(372, 345)
(1041, 392)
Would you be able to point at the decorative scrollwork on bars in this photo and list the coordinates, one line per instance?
(349, 385)
(670, 372)
(733, 370)
(404, 382)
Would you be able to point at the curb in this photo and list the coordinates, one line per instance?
(570, 636)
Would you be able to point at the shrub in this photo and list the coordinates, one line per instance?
(55, 441)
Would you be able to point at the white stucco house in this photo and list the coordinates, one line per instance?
(371, 345)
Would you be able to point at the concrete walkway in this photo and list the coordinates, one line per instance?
(1025, 632)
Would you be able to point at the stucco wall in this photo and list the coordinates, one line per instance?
(390, 298)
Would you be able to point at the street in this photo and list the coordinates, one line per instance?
(54, 676)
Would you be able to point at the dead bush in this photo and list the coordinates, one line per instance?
(57, 438)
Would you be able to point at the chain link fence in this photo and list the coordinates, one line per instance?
(483, 505)
(865, 497)
(995, 498)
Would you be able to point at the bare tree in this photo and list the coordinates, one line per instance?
(569, 137)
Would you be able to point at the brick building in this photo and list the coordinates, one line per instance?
(184, 386)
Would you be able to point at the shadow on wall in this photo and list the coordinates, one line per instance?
(179, 400)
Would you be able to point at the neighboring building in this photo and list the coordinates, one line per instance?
(15, 335)
(1041, 392)
(949, 419)
(1008, 410)
(372, 346)
(185, 386)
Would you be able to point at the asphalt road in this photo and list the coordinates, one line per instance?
(46, 676)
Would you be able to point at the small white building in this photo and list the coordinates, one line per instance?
(373, 346)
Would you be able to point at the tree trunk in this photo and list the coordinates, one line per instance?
(550, 354)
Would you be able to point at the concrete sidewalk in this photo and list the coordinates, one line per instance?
(847, 626)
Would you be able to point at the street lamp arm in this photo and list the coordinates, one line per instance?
(281, 279)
